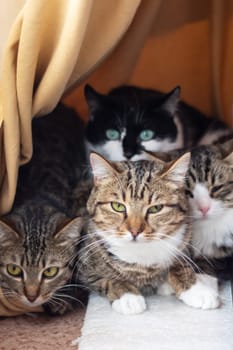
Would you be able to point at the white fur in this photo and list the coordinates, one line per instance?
(165, 289)
(213, 231)
(203, 294)
(160, 251)
(129, 304)
(201, 198)
(215, 228)
(165, 145)
(113, 150)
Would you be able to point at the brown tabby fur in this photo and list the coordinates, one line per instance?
(211, 166)
(138, 185)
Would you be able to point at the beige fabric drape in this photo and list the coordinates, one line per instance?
(55, 45)
(51, 46)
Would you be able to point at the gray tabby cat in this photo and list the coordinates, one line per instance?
(138, 234)
(209, 187)
(210, 191)
(39, 237)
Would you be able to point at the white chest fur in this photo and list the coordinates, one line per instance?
(209, 233)
(159, 252)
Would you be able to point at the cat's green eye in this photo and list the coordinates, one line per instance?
(50, 272)
(14, 270)
(155, 209)
(119, 207)
(112, 134)
(146, 135)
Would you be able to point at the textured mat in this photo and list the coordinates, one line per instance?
(40, 332)
(168, 324)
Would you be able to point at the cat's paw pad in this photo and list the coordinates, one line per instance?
(203, 294)
(129, 304)
(165, 289)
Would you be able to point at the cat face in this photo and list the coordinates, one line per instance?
(35, 262)
(210, 183)
(130, 120)
(139, 208)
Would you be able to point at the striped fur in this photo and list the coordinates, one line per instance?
(210, 192)
(41, 231)
(134, 252)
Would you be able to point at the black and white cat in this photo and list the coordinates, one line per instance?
(129, 120)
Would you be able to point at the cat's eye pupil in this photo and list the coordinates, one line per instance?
(50, 272)
(146, 135)
(119, 207)
(14, 270)
(112, 134)
(155, 209)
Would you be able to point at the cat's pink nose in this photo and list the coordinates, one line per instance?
(135, 232)
(204, 209)
(31, 297)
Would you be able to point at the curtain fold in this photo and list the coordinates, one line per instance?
(57, 45)
(51, 46)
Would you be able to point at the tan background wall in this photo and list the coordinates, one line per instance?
(178, 51)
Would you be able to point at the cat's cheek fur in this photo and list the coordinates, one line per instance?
(213, 233)
(111, 150)
(203, 294)
(161, 145)
(129, 304)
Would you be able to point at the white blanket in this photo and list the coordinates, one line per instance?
(167, 324)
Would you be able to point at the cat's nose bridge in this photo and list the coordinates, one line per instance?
(130, 146)
(135, 225)
(31, 292)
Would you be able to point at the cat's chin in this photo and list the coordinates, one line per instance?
(33, 304)
(208, 216)
(147, 253)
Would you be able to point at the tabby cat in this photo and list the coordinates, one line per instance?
(209, 187)
(137, 236)
(210, 191)
(39, 237)
(129, 120)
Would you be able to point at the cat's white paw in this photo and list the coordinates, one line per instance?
(203, 294)
(165, 289)
(129, 304)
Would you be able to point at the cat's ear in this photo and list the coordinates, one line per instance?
(93, 98)
(8, 234)
(178, 169)
(227, 150)
(229, 159)
(69, 231)
(101, 168)
(171, 100)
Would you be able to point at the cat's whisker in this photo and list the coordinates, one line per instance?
(69, 297)
(180, 253)
(189, 244)
(82, 286)
(84, 253)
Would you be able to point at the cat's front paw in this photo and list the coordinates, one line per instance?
(203, 294)
(57, 309)
(129, 304)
